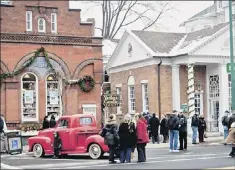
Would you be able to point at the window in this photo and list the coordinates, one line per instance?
(214, 86)
(63, 123)
(197, 102)
(131, 95)
(6, 2)
(53, 97)
(29, 97)
(119, 92)
(85, 121)
(41, 25)
(29, 21)
(145, 98)
(54, 22)
(89, 109)
(132, 98)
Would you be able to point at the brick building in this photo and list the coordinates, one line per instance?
(72, 49)
(134, 73)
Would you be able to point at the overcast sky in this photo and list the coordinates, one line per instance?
(185, 9)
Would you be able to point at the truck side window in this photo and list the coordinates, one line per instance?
(63, 123)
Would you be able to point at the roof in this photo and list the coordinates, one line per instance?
(159, 42)
(203, 12)
(167, 43)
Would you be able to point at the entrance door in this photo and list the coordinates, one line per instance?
(215, 115)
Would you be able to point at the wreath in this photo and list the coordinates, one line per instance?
(87, 83)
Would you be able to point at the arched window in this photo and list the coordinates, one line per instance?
(29, 100)
(53, 97)
(131, 94)
(41, 25)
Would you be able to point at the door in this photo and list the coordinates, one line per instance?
(64, 132)
(215, 115)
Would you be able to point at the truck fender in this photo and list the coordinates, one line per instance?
(43, 140)
(96, 139)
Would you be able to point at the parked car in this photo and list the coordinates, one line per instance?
(79, 135)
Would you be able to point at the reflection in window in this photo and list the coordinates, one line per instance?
(29, 97)
(85, 121)
(41, 25)
(53, 98)
(63, 123)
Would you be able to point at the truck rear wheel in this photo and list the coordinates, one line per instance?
(38, 150)
(95, 151)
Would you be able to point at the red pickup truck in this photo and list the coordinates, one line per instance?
(78, 134)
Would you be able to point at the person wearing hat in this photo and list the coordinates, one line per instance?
(110, 134)
(201, 128)
(231, 139)
(57, 145)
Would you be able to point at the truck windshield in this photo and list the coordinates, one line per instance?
(63, 123)
(85, 121)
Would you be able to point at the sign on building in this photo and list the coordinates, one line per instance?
(229, 68)
(111, 100)
(184, 108)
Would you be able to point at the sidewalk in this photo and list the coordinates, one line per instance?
(210, 140)
(217, 140)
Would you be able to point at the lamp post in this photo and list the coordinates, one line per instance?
(231, 54)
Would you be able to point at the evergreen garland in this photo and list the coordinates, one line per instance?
(86, 84)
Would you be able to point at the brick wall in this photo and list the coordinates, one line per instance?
(145, 73)
(68, 20)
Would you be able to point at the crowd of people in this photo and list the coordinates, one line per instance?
(139, 130)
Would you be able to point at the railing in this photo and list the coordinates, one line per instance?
(212, 126)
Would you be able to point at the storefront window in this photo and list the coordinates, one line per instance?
(29, 97)
(53, 98)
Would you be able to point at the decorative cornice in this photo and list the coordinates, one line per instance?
(50, 39)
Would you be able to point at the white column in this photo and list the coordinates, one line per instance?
(224, 93)
(175, 88)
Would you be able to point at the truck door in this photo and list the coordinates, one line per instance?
(64, 132)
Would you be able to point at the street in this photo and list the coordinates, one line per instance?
(197, 157)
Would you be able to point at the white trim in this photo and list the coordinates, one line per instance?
(201, 101)
(119, 92)
(129, 100)
(144, 109)
(144, 81)
(55, 22)
(118, 85)
(89, 105)
(21, 100)
(30, 20)
(44, 25)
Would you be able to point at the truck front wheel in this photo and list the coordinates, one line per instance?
(95, 151)
(38, 150)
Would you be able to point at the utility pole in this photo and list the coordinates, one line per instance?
(231, 54)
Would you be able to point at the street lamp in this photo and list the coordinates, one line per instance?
(231, 54)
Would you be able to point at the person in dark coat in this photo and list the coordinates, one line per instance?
(231, 120)
(57, 145)
(46, 123)
(164, 131)
(173, 124)
(182, 131)
(111, 137)
(194, 125)
(52, 121)
(201, 128)
(154, 126)
(128, 139)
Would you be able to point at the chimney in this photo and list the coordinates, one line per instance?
(92, 20)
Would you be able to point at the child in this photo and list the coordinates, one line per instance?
(231, 139)
(57, 145)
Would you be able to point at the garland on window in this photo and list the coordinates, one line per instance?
(86, 84)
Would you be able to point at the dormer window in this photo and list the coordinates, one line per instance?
(54, 23)
(41, 25)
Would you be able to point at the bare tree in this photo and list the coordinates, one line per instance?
(119, 14)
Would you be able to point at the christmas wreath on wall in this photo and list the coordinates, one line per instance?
(86, 83)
